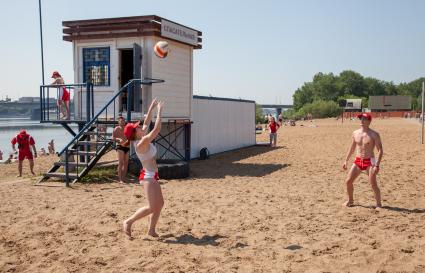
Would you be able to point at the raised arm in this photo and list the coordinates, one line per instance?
(350, 152)
(157, 128)
(148, 117)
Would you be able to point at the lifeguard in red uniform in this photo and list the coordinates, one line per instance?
(25, 143)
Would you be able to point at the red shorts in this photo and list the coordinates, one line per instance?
(24, 154)
(364, 163)
(148, 174)
(65, 95)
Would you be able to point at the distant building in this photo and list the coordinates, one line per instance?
(29, 99)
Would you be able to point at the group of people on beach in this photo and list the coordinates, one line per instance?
(137, 135)
(273, 126)
(363, 141)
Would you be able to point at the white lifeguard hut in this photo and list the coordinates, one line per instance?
(110, 52)
(117, 73)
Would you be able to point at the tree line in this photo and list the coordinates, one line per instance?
(320, 97)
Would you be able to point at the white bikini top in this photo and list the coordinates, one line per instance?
(148, 155)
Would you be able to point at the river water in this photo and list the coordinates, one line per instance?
(41, 132)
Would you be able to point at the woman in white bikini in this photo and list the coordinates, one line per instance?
(146, 152)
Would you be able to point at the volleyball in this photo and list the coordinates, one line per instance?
(161, 49)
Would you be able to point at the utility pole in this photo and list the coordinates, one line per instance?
(41, 42)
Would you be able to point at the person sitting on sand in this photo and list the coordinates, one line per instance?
(9, 160)
(365, 140)
(25, 143)
(42, 152)
(146, 152)
(1, 155)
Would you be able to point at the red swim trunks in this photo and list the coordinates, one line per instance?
(364, 163)
(148, 174)
(24, 154)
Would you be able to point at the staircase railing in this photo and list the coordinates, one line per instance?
(94, 139)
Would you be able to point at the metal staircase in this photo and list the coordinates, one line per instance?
(82, 153)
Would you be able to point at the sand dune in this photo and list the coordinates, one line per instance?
(253, 210)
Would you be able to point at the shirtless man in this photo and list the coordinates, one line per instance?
(365, 140)
(122, 151)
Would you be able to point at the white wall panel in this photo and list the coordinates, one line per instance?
(221, 125)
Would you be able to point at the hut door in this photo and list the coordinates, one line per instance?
(137, 74)
(126, 73)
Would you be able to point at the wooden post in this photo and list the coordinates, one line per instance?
(423, 117)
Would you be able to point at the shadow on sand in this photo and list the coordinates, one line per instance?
(397, 209)
(189, 239)
(404, 209)
(226, 164)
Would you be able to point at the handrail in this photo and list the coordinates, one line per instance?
(46, 99)
(59, 85)
(88, 124)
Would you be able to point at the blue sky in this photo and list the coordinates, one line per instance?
(258, 50)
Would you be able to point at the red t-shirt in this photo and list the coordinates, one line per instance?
(24, 142)
(273, 127)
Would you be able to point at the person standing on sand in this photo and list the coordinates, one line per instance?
(146, 152)
(273, 126)
(122, 151)
(25, 143)
(365, 140)
(51, 147)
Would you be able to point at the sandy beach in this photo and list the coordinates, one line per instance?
(257, 209)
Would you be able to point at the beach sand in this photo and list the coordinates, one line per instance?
(256, 209)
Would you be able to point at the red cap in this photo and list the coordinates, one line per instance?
(23, 132)
(56, 74)
(129, 129)
(365, 115)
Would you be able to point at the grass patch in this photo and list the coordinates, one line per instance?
(101, 175)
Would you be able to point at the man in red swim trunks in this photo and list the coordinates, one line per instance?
(365, 140)
(25, 143)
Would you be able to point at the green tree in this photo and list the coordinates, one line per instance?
(374, 87)
(350, 82)
(324, 87)
(258, 114)
(303, 95)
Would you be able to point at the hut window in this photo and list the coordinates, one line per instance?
(96, 63)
